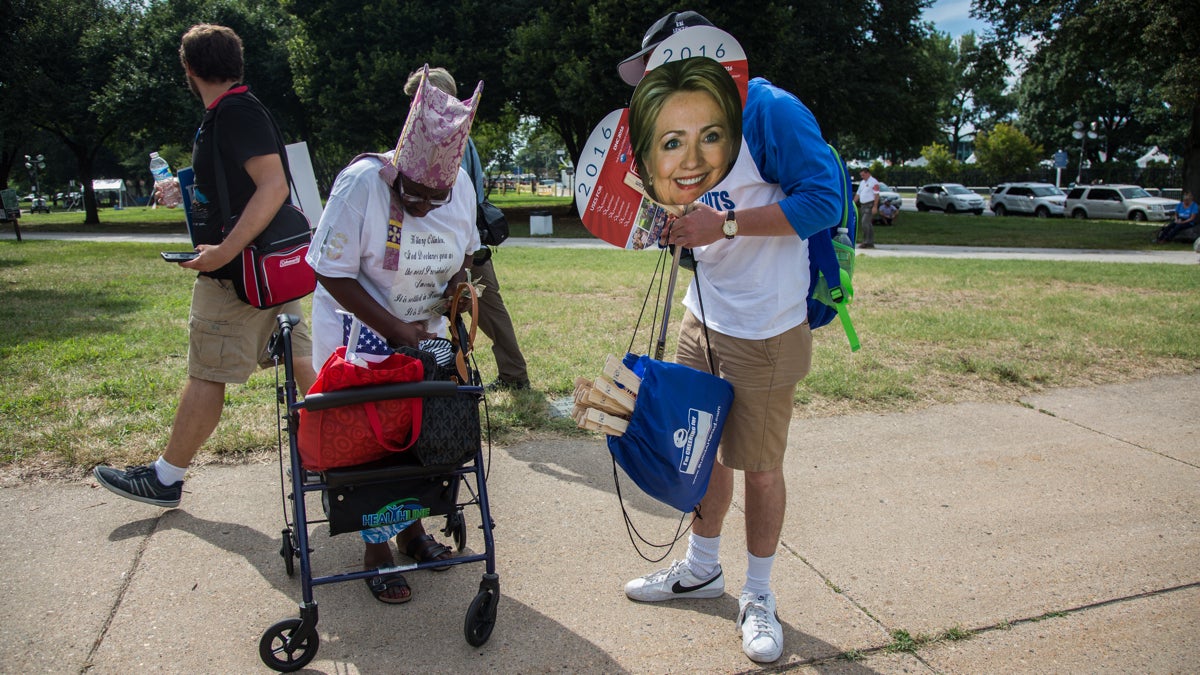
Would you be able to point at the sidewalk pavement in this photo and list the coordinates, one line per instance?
(1061, 530)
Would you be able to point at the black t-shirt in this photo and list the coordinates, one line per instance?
(245, 130)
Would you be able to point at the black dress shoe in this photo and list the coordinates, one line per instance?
(505, 385)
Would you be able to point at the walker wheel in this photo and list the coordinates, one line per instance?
(277, 654)
(481, 618)
(288, 551)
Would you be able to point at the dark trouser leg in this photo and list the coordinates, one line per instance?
(1169, 231)
(866, 226)
(495, 323)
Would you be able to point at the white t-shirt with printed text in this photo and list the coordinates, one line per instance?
(350, 242)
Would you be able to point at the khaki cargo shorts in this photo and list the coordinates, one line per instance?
(764, 374)
(227, 339)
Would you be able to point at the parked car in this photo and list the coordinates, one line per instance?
(886, 194)
(948, 197)
(889, 196)
(1118, 202)
(1039, 199)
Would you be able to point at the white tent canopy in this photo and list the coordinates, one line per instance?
(1155, 155)
(117, 185)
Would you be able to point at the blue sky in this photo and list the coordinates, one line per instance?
(953, 17)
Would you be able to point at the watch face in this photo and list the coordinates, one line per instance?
(730, 227)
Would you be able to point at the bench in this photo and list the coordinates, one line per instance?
(10, 210)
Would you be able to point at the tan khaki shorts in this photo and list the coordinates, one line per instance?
(227, 339)
(764, 374)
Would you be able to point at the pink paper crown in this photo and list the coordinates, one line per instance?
(431, 146)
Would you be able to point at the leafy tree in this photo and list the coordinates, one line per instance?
(540, 154)
(975, 76)
(495, 141)
(152, 98)
(941, 163)
(15, 71)
(351, 65)
(562, 64)
(1069, 80)
(907, 86)
(864, 68)
(1133, 65)
(69, 49)
(1005, 152)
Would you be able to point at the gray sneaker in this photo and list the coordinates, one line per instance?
(676, 581)
(139, 483)
(762, 634)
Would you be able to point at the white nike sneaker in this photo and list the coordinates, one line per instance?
(762, 635)
(676, 581)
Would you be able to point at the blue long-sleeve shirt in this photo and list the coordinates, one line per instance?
(785, 141)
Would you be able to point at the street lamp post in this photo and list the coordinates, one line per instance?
(1082, 135)
(35, 165)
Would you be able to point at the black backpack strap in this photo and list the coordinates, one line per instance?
(222, 183)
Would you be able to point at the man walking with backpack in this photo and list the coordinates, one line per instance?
(227, 337)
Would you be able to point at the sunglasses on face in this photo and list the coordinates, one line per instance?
(415, 200)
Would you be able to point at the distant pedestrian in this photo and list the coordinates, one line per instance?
(887, 214)
(868, 207)
(1185, 217)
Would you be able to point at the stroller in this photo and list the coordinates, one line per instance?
(352, 495)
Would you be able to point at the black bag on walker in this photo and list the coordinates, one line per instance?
(671, 442)
(352, 505)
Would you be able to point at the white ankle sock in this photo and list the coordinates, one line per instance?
(168, 474)
(758, 574)
(702, 555)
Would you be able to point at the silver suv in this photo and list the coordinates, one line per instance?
(948, 197)
(1117, 202)
(1040, 199)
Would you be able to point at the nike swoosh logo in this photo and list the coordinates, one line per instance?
(680, 588)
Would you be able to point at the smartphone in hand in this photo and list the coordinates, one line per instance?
(178, 256)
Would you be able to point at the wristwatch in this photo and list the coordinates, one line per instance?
(730, 227)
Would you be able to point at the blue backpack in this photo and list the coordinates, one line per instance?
(830, 290)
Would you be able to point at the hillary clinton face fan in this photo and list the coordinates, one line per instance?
(685, 127)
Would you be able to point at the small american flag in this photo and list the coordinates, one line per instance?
(369, 342)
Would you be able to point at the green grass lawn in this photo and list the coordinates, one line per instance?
(93, 340)
(931, 228)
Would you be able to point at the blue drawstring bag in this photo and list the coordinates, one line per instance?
(670, 445)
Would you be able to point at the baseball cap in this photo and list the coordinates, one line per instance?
(632, 69)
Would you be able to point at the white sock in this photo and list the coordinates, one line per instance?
(702, 555)
(168, 474)
(758, 574)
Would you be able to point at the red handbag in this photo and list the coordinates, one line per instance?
(274, 269)
(361, 432)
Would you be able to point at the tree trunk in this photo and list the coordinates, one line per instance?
(84, 161)
(1191, 155)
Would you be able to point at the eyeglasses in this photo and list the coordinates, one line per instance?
(414, 200)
